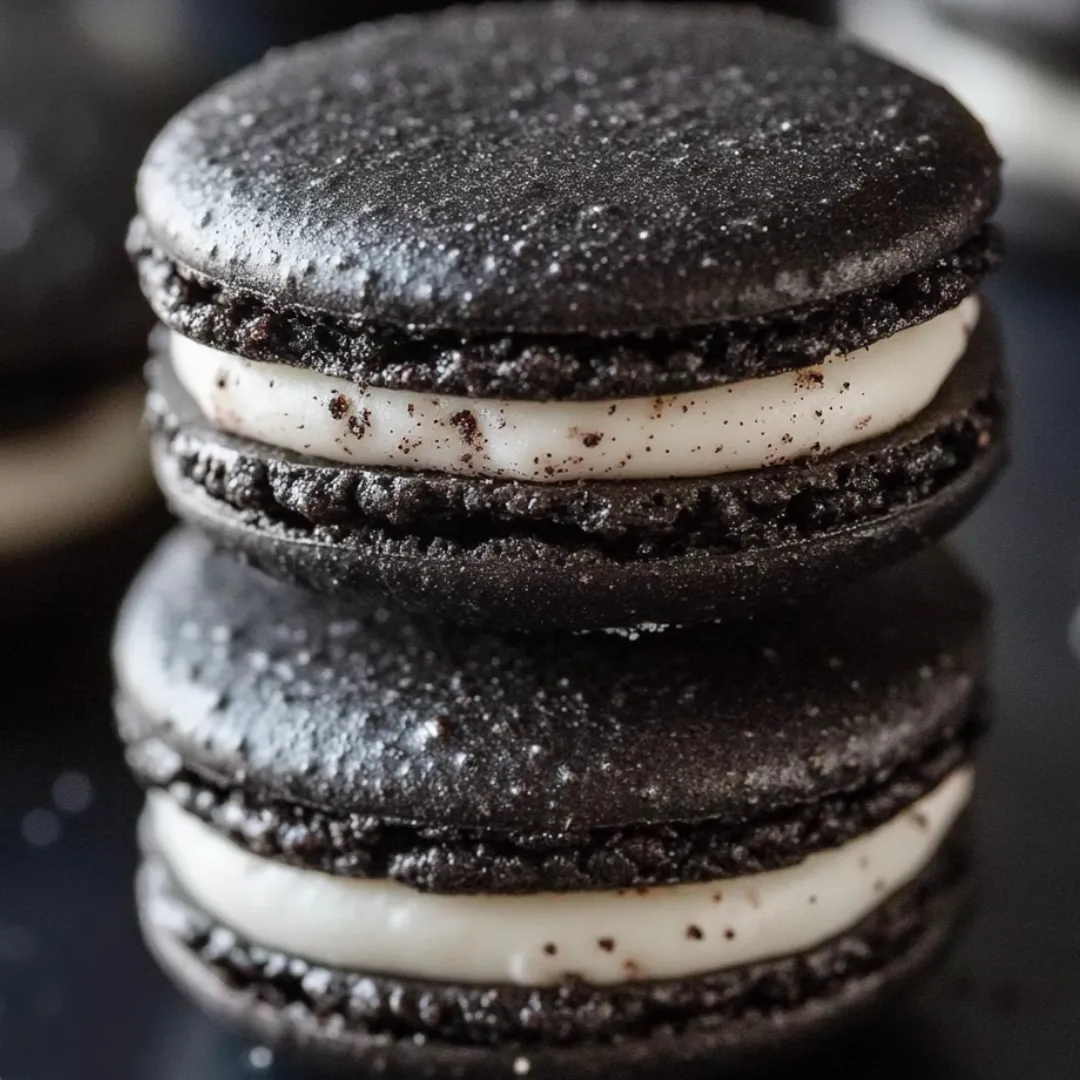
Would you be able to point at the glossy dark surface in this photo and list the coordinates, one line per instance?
(79, 999)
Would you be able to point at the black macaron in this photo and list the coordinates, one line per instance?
(367, 744)
(573, 204)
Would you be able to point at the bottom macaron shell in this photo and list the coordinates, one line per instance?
(740, 1019)
(539, 557)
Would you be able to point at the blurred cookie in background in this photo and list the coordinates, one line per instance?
(1047, 31)
(80, 98)
(1017, 67)
(822, 12)
(285, 21)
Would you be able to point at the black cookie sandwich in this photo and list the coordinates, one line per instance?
(559, 316)
(400, 844)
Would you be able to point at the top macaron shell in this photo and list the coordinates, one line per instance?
(565, 170)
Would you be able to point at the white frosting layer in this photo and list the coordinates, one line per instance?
(65, 481)
(745, 425)
(381, 927)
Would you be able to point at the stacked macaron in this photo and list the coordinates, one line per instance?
(488, 328)
(382, 839)
(649, 333)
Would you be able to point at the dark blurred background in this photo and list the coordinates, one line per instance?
(83, 86)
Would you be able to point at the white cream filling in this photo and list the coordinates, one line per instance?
(745, 425)
(73, 477)
(381, 927)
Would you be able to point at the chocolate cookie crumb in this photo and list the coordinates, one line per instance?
(467, 428)
(359, 425)
(810, 379)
